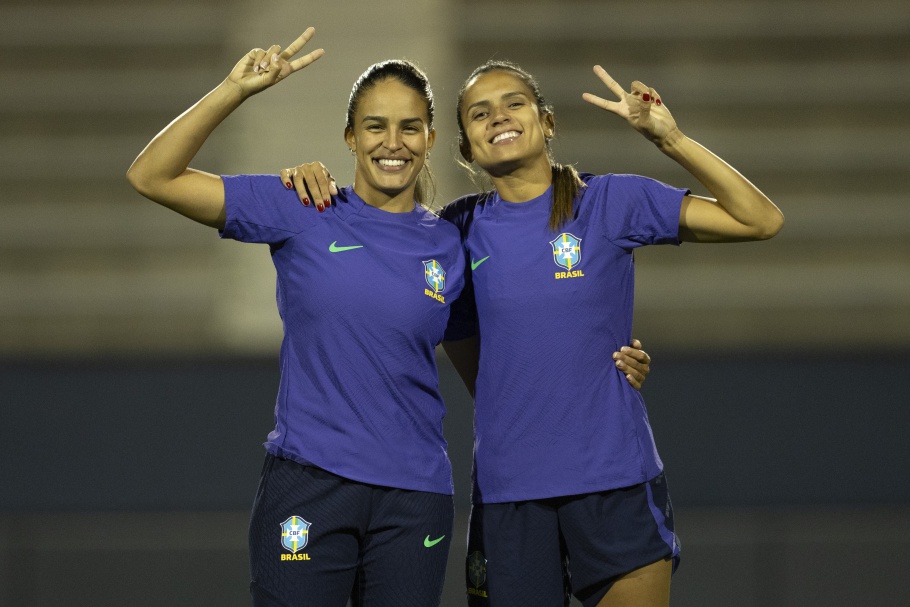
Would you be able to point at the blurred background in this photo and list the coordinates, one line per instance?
(138, 353)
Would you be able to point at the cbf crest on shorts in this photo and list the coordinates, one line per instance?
(295, 534)
(566, 250)
(435, 275)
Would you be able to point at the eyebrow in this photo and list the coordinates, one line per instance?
(385, 119)
(504, 96)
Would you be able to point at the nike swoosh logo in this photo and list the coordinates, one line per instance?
(427, 542)
(474, 264)
(334, 249)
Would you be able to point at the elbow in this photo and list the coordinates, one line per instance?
(140, 180)
(772, 225)
(134, 177)
(766, 223)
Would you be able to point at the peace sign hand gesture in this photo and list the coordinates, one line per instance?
(260, 69)
(642, 108)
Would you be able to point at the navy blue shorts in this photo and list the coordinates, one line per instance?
(318, 539)
(540, 552)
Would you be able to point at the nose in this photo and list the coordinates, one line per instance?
(499, 116)
(392, 140)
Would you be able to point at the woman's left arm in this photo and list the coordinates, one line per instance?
(739, 211)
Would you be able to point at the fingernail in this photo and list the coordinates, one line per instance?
(320, 207)
(275, 57)
(646, 97)
(287, 184)
(620, 364)
(306, 202)
(256, 68)
(328, 203)
(658, 102)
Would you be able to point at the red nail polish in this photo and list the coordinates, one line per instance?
(328, 203)
(646, 97)
(306, 202)
(320, 207)
(287, 184)
(658, 102)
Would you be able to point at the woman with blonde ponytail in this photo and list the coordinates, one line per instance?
(354, 505)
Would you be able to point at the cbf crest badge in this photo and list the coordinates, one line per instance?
(566, 250)
(295, 533)
(477, 575)
(435, 275)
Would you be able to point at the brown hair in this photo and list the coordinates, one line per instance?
(408, 74)
(566, 183)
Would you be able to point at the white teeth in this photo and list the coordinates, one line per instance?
(506, 135)
(391, 162)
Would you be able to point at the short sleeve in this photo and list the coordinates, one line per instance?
(260, 209)
(638, 210)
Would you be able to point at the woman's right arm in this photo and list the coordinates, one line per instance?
(161, 172)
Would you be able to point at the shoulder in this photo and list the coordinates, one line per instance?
(426, 217)
(462, 210)
(611, 180)
(595, 182)
(619, 185)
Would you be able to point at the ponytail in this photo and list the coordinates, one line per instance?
(566, 187)
(425, 192)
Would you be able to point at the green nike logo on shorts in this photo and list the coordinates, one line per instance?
(428, 543)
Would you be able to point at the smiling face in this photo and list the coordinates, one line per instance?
(503, 128)
(390, 135)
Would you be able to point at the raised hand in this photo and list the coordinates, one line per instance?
(642, 107)
(260, 69)
(311, 179)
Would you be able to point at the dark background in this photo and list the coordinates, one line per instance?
(734, 430)
(130, 482)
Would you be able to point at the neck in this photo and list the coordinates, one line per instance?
(523, 183)
(390, 202)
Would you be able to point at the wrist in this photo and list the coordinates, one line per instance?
(232, 92)
(670, 141)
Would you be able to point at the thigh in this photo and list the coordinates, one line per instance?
(304, 536)
(405, 549)
(647, 586)
(612, 534)
(515, 556)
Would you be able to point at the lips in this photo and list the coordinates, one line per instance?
(505, 137)
(391, 164)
